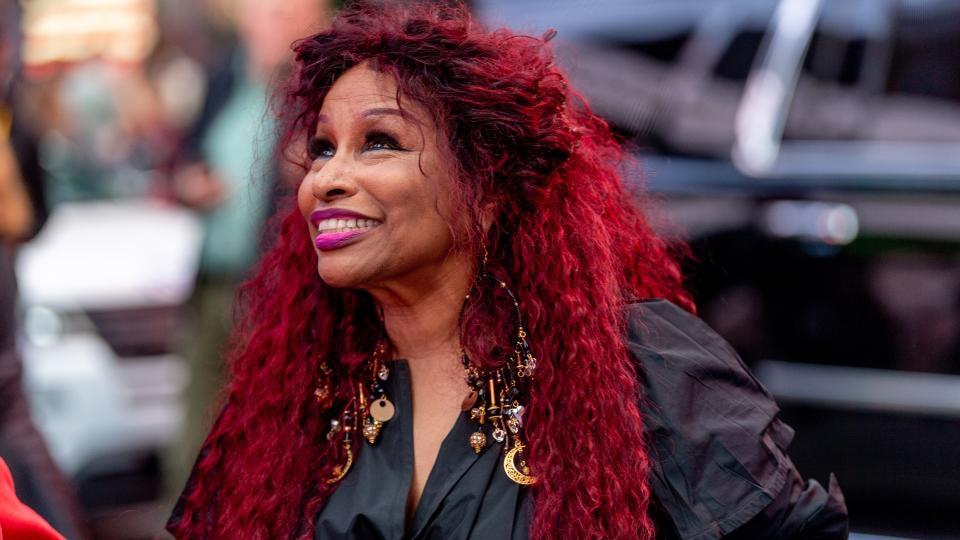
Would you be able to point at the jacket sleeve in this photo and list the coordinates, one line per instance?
(719, 462)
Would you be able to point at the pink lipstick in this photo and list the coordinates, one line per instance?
(339, 227)
(328, 241)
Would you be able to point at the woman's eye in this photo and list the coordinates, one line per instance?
(381, 141)
(319, 149)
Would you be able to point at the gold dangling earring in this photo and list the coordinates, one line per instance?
(371, 413)
(379, 409)
(349, 420)
(496, 397)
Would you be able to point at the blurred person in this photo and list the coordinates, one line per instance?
(103, 128)
(466, 327)
(22, 212)
(228, 172)
(17, 520)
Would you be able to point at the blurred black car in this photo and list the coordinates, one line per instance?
(809, 154)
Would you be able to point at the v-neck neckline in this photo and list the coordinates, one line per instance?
(454, 458)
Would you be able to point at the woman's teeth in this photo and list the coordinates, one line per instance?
(341, 225)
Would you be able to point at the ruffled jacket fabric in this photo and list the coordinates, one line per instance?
(718, 451)
(720, 467)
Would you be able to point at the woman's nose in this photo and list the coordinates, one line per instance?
(332, 183)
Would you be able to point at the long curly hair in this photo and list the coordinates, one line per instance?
(567, 235)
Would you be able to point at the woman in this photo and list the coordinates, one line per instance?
(446, 340)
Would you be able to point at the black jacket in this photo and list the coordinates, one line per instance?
(720, 468)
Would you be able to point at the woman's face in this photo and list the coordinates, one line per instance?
(376, 195)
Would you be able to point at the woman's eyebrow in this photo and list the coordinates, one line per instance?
(380, 111)
(376, 111)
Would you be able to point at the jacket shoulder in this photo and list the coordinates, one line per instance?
(718, 446)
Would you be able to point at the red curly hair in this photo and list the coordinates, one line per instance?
(568, 236)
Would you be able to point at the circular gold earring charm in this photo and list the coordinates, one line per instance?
(382, 410)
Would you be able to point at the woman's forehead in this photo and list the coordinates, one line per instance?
(362, 85)
(363, 92)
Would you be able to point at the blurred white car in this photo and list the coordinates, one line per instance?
(102, 290)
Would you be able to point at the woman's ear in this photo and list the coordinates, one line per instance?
(487, 213)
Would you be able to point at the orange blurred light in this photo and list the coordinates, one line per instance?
(66, 31)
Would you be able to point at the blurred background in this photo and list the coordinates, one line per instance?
(808, 151)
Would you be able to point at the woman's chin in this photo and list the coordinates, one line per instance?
(336, 281)
(339, 277)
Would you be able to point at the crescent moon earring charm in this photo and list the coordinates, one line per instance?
(341, 470)
(519, 475)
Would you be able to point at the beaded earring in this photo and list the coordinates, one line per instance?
(369, 405)
(381, 409)
(495, 401)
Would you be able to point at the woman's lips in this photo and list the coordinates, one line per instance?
(338, 227)
(334, 213)
(333, 240)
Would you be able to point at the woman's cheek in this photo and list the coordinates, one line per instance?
(305, 200)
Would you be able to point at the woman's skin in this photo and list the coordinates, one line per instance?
(391, 168)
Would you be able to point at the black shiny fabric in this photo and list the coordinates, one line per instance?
(467, 495)
(720, 468)
(718, 450)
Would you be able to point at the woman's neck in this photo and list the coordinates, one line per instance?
(421, 316)
(425, 329)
